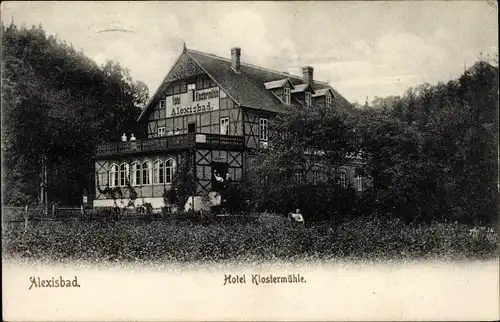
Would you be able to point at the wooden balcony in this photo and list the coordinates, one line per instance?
(171, 143)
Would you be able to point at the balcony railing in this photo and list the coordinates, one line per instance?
(170, 143)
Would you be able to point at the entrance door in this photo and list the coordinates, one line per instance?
(219, 173)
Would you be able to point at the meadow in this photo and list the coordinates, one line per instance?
(266, 238)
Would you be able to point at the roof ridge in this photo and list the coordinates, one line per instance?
(255, 66)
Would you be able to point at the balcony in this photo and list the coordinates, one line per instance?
(171, 143)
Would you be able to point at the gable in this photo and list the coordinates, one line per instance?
(185, 67)
(175, 82)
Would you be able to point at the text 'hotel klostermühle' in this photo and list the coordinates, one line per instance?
(258, 279)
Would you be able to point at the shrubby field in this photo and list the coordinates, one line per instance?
(266, 238)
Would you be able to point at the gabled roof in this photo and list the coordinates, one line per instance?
(247, 88)
(302, 88)
(322, 92)
(278, 83)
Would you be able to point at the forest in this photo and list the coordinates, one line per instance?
(57, 105)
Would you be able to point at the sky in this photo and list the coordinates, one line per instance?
(363, 49)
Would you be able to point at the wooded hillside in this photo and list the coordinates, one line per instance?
(57, 104)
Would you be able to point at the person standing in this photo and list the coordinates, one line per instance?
(296, 218)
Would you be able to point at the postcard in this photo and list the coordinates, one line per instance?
(250, 161)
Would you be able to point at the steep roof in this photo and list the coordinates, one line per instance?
(243, 88)
(248, 88)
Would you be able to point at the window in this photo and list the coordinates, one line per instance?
(170, 170)
(308, 98)
(328, 100)
(207, 83)
(161, 131)
(315, 175)
(263, 129)
(113, 176)
(136, 174)
(299, 175)
(224, 125)
(191, 127)
(177, 88)
(287, 96)
(191, 89)
(146, 172)
(162, 104)
(183, 87)
(158, 172)
(343, 182)
(103, 178)
(359, 183)
(199, 82)
(124, 174)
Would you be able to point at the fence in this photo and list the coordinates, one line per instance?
(19, 214)
(25, 214)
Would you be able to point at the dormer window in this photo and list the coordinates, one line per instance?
(286, 96)
(308, 98)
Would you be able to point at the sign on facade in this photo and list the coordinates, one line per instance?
(192, 102)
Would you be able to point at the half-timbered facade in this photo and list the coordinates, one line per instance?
(215, 109)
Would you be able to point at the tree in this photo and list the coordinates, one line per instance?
(453, 127)
(303, 140)
(183, 183)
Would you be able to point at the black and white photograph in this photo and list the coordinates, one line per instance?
(233, 160)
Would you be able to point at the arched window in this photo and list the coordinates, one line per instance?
(359, 183)
(146, 172)
(159, 172)
(136, 174)
(343, 180)
(169, 170)
(308, 99)
(124, 174)
(113, 175)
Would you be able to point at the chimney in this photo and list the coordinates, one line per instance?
(235, 59)
(307, 75)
